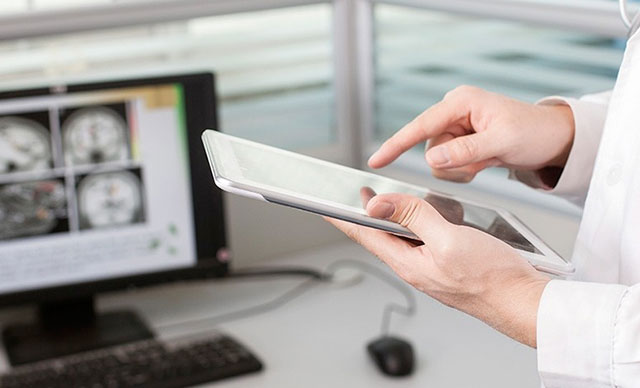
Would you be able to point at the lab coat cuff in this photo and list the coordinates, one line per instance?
(575, 333)
(573, 183)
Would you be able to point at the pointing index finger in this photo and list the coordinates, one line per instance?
(428, 124)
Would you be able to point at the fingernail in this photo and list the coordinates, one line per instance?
(383, 209)
(438, 155)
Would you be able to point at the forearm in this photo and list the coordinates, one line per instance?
(516, 316)
(511, 306)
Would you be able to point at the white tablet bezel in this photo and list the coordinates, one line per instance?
(228, 176)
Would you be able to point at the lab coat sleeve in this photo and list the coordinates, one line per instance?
(589, 114)
(589, 335)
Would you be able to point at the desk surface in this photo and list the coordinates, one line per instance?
(318, 339)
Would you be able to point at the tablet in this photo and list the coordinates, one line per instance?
(274, 175)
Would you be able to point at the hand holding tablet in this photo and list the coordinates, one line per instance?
(274, 175)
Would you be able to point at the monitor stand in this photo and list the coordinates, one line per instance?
(70, 326)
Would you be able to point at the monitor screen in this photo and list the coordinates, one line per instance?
(95, 184)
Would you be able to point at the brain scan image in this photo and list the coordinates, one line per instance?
(25, 145)
(94, 135)
(108, 199)
(32, 208)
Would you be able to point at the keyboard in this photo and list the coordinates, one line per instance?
(173, 363)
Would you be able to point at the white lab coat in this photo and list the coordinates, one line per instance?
(589, 327)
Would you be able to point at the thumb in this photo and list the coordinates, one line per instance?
(464, 150)
(413, 213)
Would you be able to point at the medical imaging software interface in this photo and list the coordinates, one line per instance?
(93, 185)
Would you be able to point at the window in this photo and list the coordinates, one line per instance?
(274, 67)
(422, 54)
(332, 78)
(525, 49)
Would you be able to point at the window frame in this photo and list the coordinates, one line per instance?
(576, 15)
(353, 49)
(38, 23)
(597, 17)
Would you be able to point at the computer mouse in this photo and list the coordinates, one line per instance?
(393, 356)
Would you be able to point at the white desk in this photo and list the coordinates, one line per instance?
(318, 340)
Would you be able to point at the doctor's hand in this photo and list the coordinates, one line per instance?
(472, 129)
(460, 266)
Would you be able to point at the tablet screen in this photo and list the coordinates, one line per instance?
(352, 188)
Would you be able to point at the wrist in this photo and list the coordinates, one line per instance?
(513, 307)
(526, 313)
(561, 118)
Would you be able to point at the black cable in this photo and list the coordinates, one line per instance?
(315, 277)
(277, 271)
(250, 311)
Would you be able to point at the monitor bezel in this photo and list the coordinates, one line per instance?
(208, 208)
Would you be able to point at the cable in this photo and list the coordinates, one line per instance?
(390, 308)
(277, 271)
(315, 277)
(273, 304)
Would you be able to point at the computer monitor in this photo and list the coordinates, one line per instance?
(103, 186)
